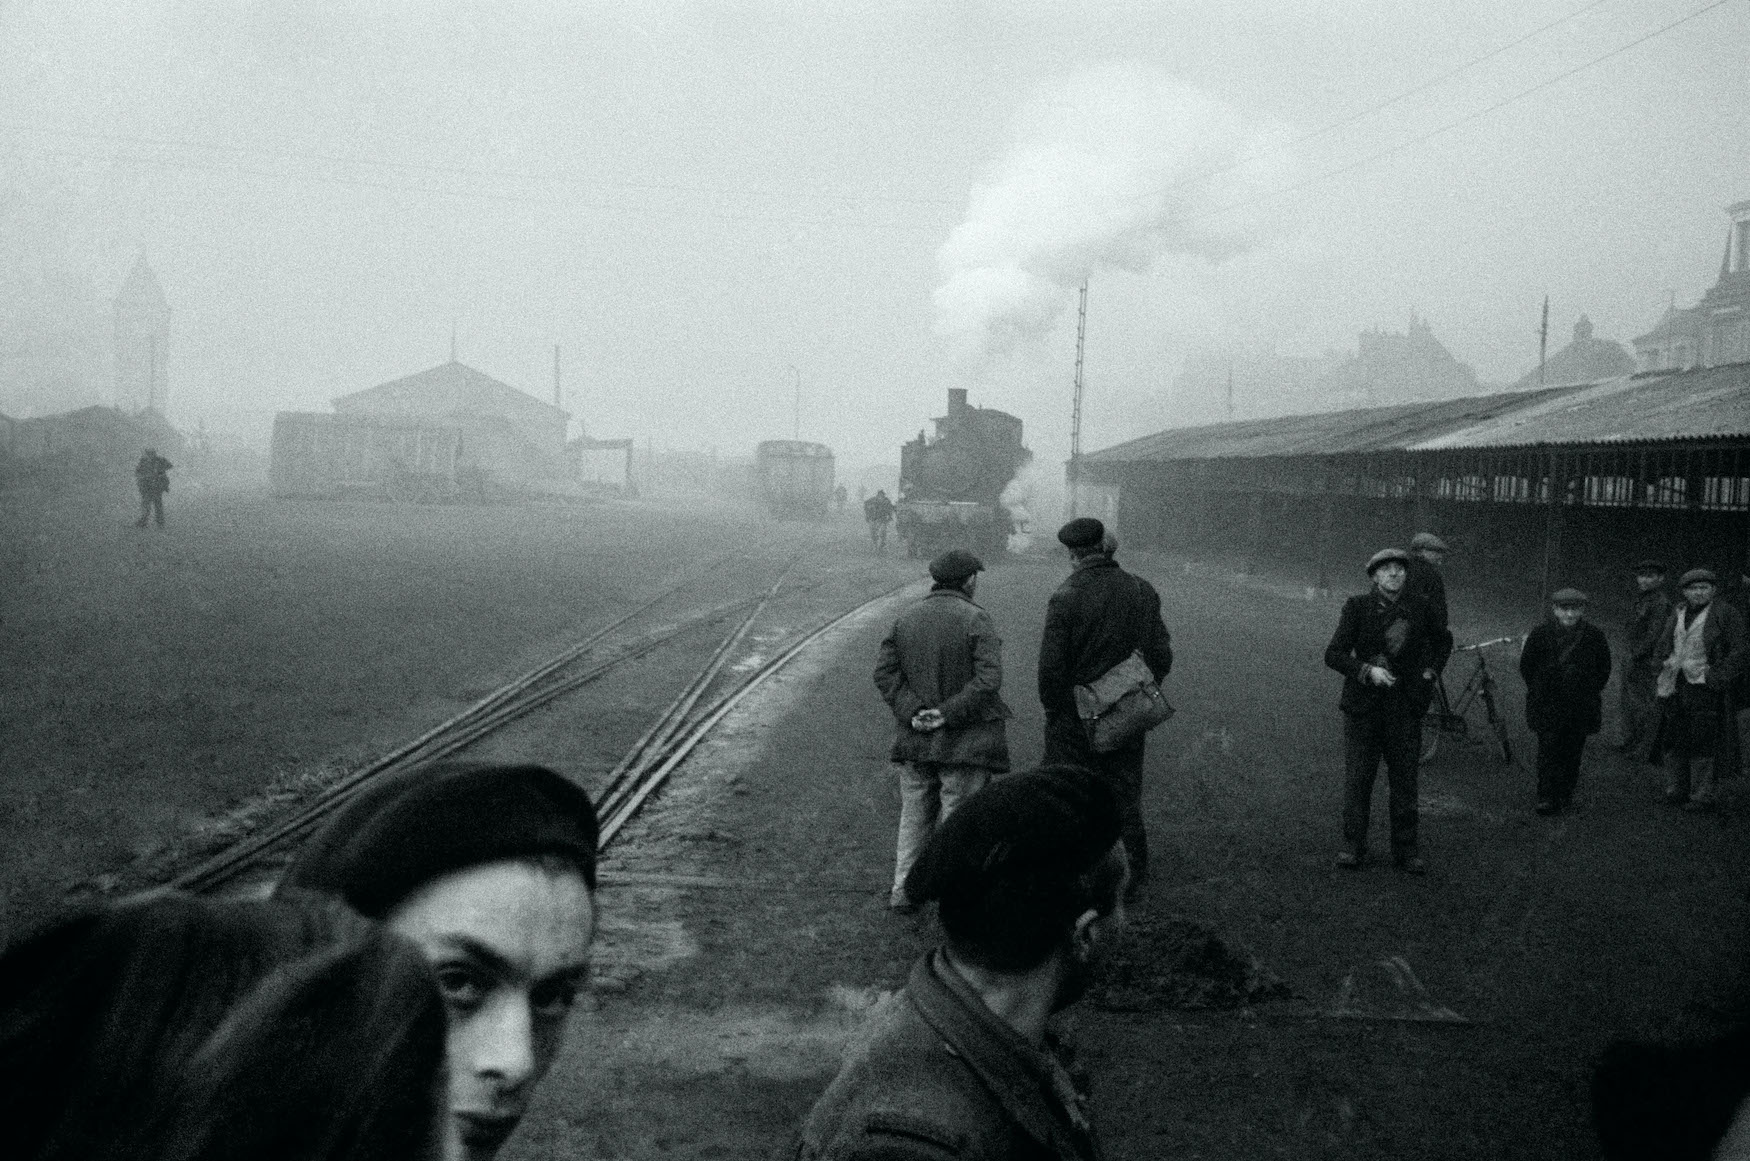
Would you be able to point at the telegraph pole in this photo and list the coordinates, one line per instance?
(794, 370)
(557, 397)
(1075, 421)
(1230, 388)
(1542, 341)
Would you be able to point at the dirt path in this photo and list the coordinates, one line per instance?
(745, 927)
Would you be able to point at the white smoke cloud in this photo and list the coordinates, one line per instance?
(1115, 168)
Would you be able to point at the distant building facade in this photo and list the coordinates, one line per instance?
(1716, 330)
(142, 343)
(1588, 359)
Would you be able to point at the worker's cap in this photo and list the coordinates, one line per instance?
(1650, 568)
(1567, 598)
(1082, 532)
(954, 566)
(1386, 556)
(1056, 821)
(415, 826)
(1429, 541)
(1698, 576)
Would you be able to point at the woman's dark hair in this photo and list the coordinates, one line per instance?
(182, 1029)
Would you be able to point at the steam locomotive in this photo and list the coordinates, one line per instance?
(951, 484)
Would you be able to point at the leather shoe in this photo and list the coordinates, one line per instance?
(1545, 806)
(1349, 860)
(1410, 865)
(1676, 797)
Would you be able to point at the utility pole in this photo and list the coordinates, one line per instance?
(794, 370)
(1075, 420)
(1542, 341)
(152, 373)
(1230, 388)
(452, 340)
(558, 404)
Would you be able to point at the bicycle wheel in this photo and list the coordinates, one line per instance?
(1436, 721)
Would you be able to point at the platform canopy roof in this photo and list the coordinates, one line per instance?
(1706, 403)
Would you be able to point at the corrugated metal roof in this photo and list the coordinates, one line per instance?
(1706, 403)
(1710, 402)
(1331, 433)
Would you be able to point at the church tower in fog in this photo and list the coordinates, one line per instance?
(142, 343)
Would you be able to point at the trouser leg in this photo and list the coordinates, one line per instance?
(1546, 763)
(158, 510)
(919, 803)
(1402, 750)
(1124, 769)
(958, 783)
(1573, 750)
(145, 510)
(1361, 754)
(1639, 709)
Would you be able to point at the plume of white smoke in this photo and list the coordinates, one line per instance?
(1115, 168)
(1035, 500)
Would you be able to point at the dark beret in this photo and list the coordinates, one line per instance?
(1055, 818)
(954, 566)
(418, 825)
(1650, 568)
(1567, 597)
(1429, 541)
(1082, 532)
(1696, 575)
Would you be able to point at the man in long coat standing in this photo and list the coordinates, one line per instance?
(1566, 665)
(1642, 640)
(1385, 647)
(152, 478)
(940, 671)
(1705, 652)
(1096, 619)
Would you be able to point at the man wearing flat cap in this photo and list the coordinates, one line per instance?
(1029, 880)
(490, 870)
(1095, 621)
(1424, 583)
(1566, 665)
(1643, 637)
(1385, 647)
(940, 670)
(1704, 653)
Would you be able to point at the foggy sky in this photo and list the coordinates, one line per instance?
(693, 199)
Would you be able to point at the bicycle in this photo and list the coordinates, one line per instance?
(1446, 716)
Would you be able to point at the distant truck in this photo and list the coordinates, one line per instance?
(951, 485)
(794, 478)
(370, 456)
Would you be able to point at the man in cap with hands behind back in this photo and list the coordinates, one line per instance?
(940, 670)
(1565, 664)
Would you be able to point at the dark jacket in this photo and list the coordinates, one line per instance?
(878, 509)
(1565, 672)
(944, 653)
(1095, 619)
(1641, 632)
(1424, 583)
(1722, 635)
(1368, 633)
(934, 1075)
(152, 475)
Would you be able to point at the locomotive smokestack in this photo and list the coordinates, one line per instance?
(956, 404)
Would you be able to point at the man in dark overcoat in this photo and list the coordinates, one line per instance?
(1028, 878)
(1642, 639)
(1705, 652)
(1385, 647)
(1096, 619)
(1566, 665)
(878, 513)
(152, 480)
(1424, 583)
(940, 670)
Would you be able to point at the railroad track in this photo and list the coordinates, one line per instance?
(662, 748)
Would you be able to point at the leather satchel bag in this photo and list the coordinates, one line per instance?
(1121, 705)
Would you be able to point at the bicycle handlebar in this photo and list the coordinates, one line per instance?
(1485, 644)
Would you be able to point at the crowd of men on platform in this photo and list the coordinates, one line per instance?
(407, 986)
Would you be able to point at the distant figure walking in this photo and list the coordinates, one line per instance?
(878, 511)
(941, 672)
(839, 496)
(1566, 664)
(152, 478)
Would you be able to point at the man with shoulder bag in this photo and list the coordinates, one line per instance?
(1101, 658)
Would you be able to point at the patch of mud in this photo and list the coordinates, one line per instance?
(1174, 962)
